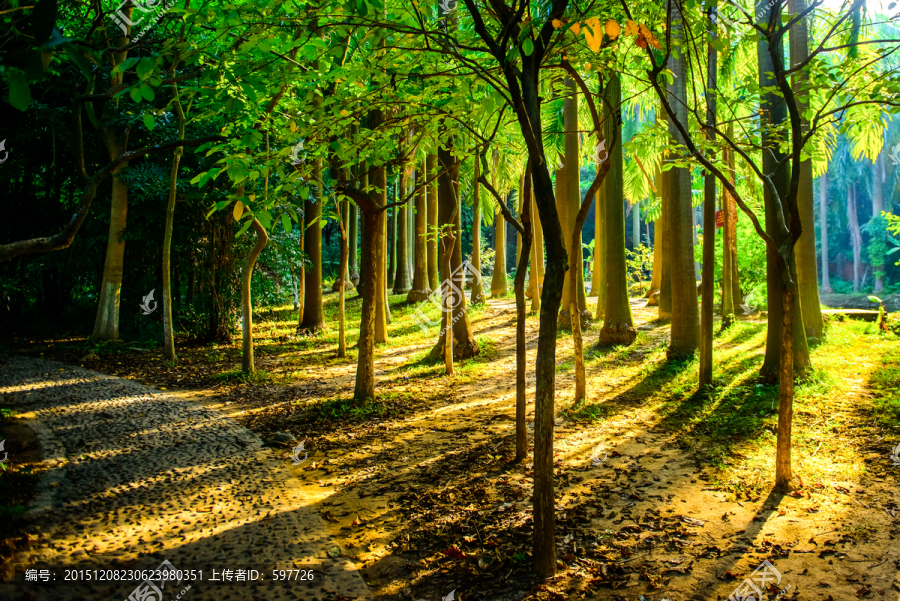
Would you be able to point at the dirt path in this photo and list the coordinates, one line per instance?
(138, 477)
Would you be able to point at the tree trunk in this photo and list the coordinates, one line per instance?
(106, 326)
(420, 289)
(877, 208)
(432, 202)
(464, 344)
(499, 280)
(379, 257)
(855, 235)
(807, 273)
(685, 331)
(656, 278)
(537, 259)
(568, 202)
(785, 391)
(823, 228)
(371, 243)
(730, 301)
(519, 287)
(774, 113)
(352, 250)
(664, 312)
(392, 242)
(635, 226)
(247, 363)
(313, 314)
(168, 329)
(477, 287)
(618, 324)
(709, 221)
(401, 279)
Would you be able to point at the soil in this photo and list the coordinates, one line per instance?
(426, 497)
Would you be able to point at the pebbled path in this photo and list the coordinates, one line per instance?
(138, 477)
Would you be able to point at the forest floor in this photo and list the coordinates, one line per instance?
(662, 492)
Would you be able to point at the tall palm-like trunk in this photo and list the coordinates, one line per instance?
(709, 221)
(568, 201)
(499, 279)
(432, 221)
(247, 362)
(807, 273)
(855, 235)
(877, 208)
(519, 287)
(664, 313)
(635, 226)
(731, 295)
(313, 314)
(685, 330)
(392, 241)
(477, 287)
(823, 230)
(353, 249)
(618, 324)
(420, 288)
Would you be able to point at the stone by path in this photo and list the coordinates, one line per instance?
(138, 477)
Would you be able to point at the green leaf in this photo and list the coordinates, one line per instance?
(237, 172)
(527, 47)
(244, 227)
(135, 94)
(304, 192)
(875, 299)
(286, 223)
(19, 94)
(147, 92)
(79, 59)
(149, 121)
(145, 68)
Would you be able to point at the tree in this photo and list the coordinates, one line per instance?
(477, 289)
(823, 226)
(420, 288)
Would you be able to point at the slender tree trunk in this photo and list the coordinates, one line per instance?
(877, 208)
(477, 287)
(379, 257)
(656, 278)
(392, 242)
(568, 201)
(448, 298)
(401, 279)
(664, 313)
(823, 228)
(432, 202)
(807, 273)
(106, 326)
(635, 226)
(464, 344)
(313, 313)
(618, 324)
(709, 221)
(352, 250)
(420, 289)
(247, 363)
(499, 280)
(519, 287)
(774, 113)
(785, 391)
(685, 331)
(537, 257)
(855, 235)
(730, 303)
